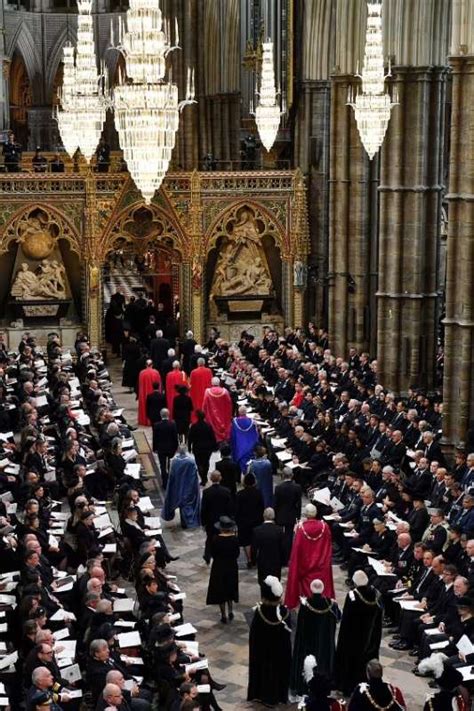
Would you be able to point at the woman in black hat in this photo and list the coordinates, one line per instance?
(224, 579)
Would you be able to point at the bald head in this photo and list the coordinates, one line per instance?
(215, 382)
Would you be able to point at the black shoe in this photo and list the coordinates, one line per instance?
(223, 619)
(132, 429)
(400, 646)
(433, 684)
(231, 616)
(172, 558)
(417, 672)
(414, 652)
(216, 686)
(344, 566)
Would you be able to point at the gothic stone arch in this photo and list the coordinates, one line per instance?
(60, 226)
(142, 226)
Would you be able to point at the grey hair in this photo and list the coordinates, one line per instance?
(37, 674)
(164, 414)
(96, 645)
(109, 689)
(269, 514)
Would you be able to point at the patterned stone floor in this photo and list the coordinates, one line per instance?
(226, 646)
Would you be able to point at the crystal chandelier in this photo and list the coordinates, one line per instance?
(146, 105)
(372, 105)
(267, 113)
(83, 101)
(64, 116)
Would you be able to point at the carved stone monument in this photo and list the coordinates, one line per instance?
(46, 282)
(40, 287)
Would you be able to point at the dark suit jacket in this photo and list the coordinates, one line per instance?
(165, 438)
(155, 402)
(159, 351)
(201, 438)
(394, 453)
(287, 503)
(420, 483)
(187, 350)
(434, 454)
(268, 550)
(216, 502)
(419, 521)
(444, 599)
(230, 472)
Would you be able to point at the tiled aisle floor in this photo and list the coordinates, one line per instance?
(226, 646)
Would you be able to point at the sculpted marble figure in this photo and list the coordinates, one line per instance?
(242, 266)
(47, 282)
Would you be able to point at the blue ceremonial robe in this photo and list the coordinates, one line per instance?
(243, 440)
(263, 471)
(183, 491)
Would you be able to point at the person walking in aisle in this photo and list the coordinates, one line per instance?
(224, 578)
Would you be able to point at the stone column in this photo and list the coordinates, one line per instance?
(94, 304)
(185, 297)
(42, 128)
(287, 295)
(311, 141)
(458, 389)
(349, 226)
(410, 190)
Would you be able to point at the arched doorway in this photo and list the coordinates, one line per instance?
(143, 257)
(21, 98)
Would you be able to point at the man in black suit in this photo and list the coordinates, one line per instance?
(268, 547)
(287, 505)
(229, 470)
(186, 350)
(155, 403)
(216, 502)
(158, 349)
(419, 483)
(395, 452)
(432, 449)
(165, 443)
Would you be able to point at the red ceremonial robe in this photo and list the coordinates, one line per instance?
(217, 407)
(311, 557)
(173, 378)
(199, 380)
(146, 378)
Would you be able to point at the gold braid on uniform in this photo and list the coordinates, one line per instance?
(306, 535)
(382, 708)
(367, 602)
(269, 622)
(319, 612)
